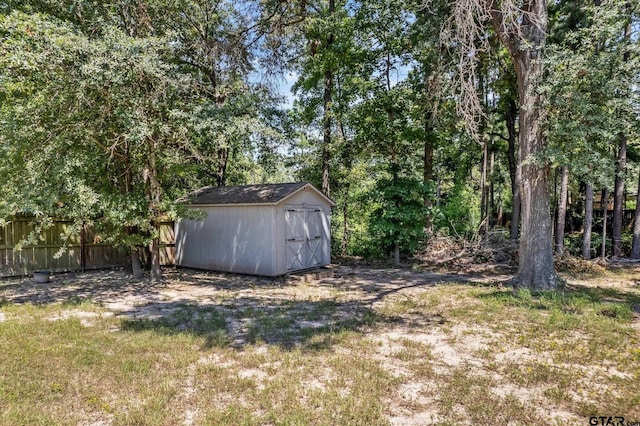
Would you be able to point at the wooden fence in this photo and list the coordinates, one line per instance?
(83, 251)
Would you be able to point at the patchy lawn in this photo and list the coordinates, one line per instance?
(369, 347)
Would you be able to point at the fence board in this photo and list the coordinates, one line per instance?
(97, 254)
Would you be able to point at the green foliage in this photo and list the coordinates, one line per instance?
(573, 243)
(399, 214)
(590, 87)
(107, 117)
(459, 214)
(109, 111)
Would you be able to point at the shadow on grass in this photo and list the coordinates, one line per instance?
(240, 320)
(306, 325)
(105, 285)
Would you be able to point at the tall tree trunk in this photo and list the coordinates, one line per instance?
(562, 210)
(515, 214)
(535, 267)
(396, 254)
(619, 198)
(588, 221)
(635, 244)
(514, 173)
(221, 166)
(427, 172)
(134, 252)
(347, 158)
(326, 103)
(326, 138)
(136, 266)
(605, 209)
(554, 203)
(491, 208)
(344, 244)
(155, 195)
(483, 191)
(438, 179)
(154, 248)
(588, 203)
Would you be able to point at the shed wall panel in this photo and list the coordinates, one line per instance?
(232, 239)
(308, 196)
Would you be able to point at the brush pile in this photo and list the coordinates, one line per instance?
(576, 265)
(462, 255)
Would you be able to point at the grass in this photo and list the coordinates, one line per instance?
(449, 354)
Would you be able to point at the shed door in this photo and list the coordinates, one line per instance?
(314, 237)
(304, 237)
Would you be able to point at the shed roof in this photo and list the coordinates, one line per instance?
(271, 193)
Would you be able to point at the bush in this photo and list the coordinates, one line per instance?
(399, 215)
(459, 214)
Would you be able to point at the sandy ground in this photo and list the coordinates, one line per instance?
(117, 292)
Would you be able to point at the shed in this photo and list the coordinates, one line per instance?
(269, 229)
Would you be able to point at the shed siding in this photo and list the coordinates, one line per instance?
(310, 197)
(252, 238)
(231, 239)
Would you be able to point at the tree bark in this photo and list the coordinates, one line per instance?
(347, 158)
(562, 210)
(136, 267)
(588, 204)
(156, 271)
(515, 214)
(619, 198)
(483, 191)
(155, 195)
(588, 221)
(221, 166)
(427, 172)
(134, 256)
(326, 102)
(535, 267)
(491, 209)
(396, 254)
(635, 244)
(605, 209)
(514, 172)
(345, 226)
(326, 138)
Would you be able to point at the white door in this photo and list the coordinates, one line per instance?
(295, 238)
(304, 237)
(313, 218)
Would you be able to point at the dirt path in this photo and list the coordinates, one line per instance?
(117, 292)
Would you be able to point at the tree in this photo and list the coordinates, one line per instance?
(522, 30)
(619, 199)
(589, 100)
(397, 219)
(111, 134)
(425, 79)
(385, 125)
(562, 210)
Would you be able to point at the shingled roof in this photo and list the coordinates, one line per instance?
(270, 193)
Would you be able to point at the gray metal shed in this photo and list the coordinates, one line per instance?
(269, 229)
